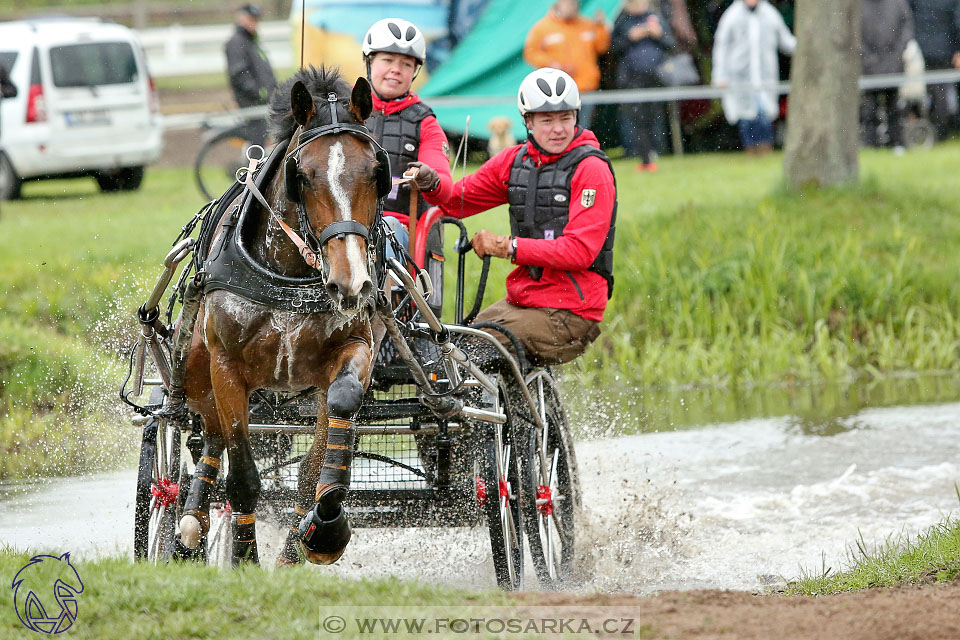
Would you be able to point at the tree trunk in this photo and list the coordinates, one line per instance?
(823, 119)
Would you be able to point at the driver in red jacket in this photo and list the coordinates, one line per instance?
(394, 51)
(562, 199)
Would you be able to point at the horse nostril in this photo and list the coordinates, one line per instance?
(366, 290)
(333, 291)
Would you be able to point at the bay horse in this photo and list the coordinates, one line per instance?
(329, 186)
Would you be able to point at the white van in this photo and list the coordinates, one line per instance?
(86, 105)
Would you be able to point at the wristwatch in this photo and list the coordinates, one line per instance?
(513, 247)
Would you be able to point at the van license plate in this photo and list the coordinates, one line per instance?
(87, 118)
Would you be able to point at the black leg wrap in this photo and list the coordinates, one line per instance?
(339, 453)
(325, 535)
(245, 538)
(243, 481)
(201, 489)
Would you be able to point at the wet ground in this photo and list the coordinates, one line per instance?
(737, 505)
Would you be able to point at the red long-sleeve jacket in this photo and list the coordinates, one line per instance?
(572, 252)
(431, 152)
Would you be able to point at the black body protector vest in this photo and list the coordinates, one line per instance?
(539, 200)
(399, 135)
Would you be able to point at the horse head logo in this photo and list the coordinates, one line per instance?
(38, 578)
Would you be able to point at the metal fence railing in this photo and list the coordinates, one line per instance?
(669, 95)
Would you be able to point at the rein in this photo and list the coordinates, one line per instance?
(308, 254)
(311, 245)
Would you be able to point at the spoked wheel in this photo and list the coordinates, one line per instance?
(498, 490)
(159, 485)
(551, 487)
(216, 165)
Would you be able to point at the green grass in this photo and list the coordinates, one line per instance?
(932, 557)
(725, 281)
(132, 601)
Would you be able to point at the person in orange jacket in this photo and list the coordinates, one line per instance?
(565, 40)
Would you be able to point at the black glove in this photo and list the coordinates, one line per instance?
(427, 179)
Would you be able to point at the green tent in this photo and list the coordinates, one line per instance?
(486, 67)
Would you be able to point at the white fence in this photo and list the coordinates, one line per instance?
(191, 50)
(669, 94)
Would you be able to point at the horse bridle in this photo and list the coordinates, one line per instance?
(311, 245)
(294, 187)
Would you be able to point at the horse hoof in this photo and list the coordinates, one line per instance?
(183, 554)
(191, 531)
(322, 558)
(324, 540)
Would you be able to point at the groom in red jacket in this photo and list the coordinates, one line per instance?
(563, 201)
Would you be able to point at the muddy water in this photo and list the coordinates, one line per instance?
(729, 505)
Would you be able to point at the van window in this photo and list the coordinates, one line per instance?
(95, 63)
(7, 58)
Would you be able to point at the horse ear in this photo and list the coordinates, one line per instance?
(301, 102)
(361, 100)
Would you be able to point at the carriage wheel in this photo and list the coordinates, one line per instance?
(551, 489)
(158, 492)
(498, 490)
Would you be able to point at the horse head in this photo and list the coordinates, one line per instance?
(333, 174)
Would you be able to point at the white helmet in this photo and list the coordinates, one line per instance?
(395, 35)
(547, 90)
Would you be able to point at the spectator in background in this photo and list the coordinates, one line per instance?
(745, 59)
(640, 41)
(251, 77)
(565, 40)
(676, 15)
(887, 27)
(937, 28)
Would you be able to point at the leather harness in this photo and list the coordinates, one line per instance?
(229, 265)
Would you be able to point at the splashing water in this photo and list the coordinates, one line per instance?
(727, 506)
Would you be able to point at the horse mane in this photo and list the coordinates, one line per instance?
(319, 82)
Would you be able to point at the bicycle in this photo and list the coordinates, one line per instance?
(223, 152)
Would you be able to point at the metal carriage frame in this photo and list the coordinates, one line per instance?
(443, 439)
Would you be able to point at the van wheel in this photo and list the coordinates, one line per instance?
(127, 179)
(10, 182)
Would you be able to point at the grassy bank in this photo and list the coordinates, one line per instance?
(733, 283)
(723, 281)
(132, 601)
(931, 557)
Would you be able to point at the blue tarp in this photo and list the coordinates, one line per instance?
(489, 62)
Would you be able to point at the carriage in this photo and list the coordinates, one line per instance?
(455, 430)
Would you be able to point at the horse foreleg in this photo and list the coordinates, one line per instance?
(195, 522)
(307, 475)
(243, 479)
(325, 529)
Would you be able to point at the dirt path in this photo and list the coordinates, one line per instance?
(924, 613)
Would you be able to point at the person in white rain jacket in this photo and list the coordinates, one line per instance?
(745, 59)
